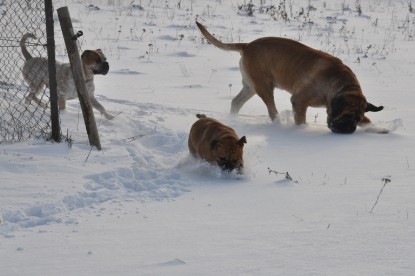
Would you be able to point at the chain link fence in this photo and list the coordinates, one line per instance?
(21, 119)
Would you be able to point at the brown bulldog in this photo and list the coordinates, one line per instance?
(314, 78)
(216, 143)
(36, 74)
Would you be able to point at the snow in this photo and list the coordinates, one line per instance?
(143, 206)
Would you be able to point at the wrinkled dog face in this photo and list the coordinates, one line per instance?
(229, 154)
(96, 60)
(346, 112)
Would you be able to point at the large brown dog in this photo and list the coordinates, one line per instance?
(314, 79)
(216, 143)
(36, 74)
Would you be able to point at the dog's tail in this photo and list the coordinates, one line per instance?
(25, 52)
(201, 116)
(224, 46)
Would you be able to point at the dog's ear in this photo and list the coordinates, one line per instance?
(201, 116)
(373, 108)
(86, 53)
(103, 57)
(242, 141)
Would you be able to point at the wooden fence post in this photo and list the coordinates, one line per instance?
(79, 76)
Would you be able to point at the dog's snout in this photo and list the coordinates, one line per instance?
(105, 68)
(227, 167)
(101, 68)
(344, 126)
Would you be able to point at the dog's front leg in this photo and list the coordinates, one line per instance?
(299, 109)
(62, 104)
(266, 92)
(240, 170)
(364, 122)
(100, 108)
(268, 98)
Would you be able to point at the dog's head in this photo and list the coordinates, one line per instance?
(228, 153)
(96, 61)
(347, 110)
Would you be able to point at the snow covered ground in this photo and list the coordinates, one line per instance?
(143, 206)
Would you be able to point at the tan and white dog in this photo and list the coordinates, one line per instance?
(314, 78)
(216, 143)
(36, 74)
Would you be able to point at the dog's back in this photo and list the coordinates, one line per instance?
(278, 59)
(209, 129)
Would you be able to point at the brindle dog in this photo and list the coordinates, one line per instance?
(216, 143)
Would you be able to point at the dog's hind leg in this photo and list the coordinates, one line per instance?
(34, 91)
(61, 104)
(240, 99)
(364, 122)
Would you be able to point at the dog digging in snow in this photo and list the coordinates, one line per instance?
(313, 78)
(216, 143)
(36, 74)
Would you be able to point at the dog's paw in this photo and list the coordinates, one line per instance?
(43, 105)
(108, 116)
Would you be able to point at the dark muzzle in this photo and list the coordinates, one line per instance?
(344, 126)
(101, 69)
(226, 167)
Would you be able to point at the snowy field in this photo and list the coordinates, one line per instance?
(143, 206)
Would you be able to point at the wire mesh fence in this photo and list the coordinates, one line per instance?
(21, 117)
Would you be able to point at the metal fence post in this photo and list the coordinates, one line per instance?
(54, 116)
